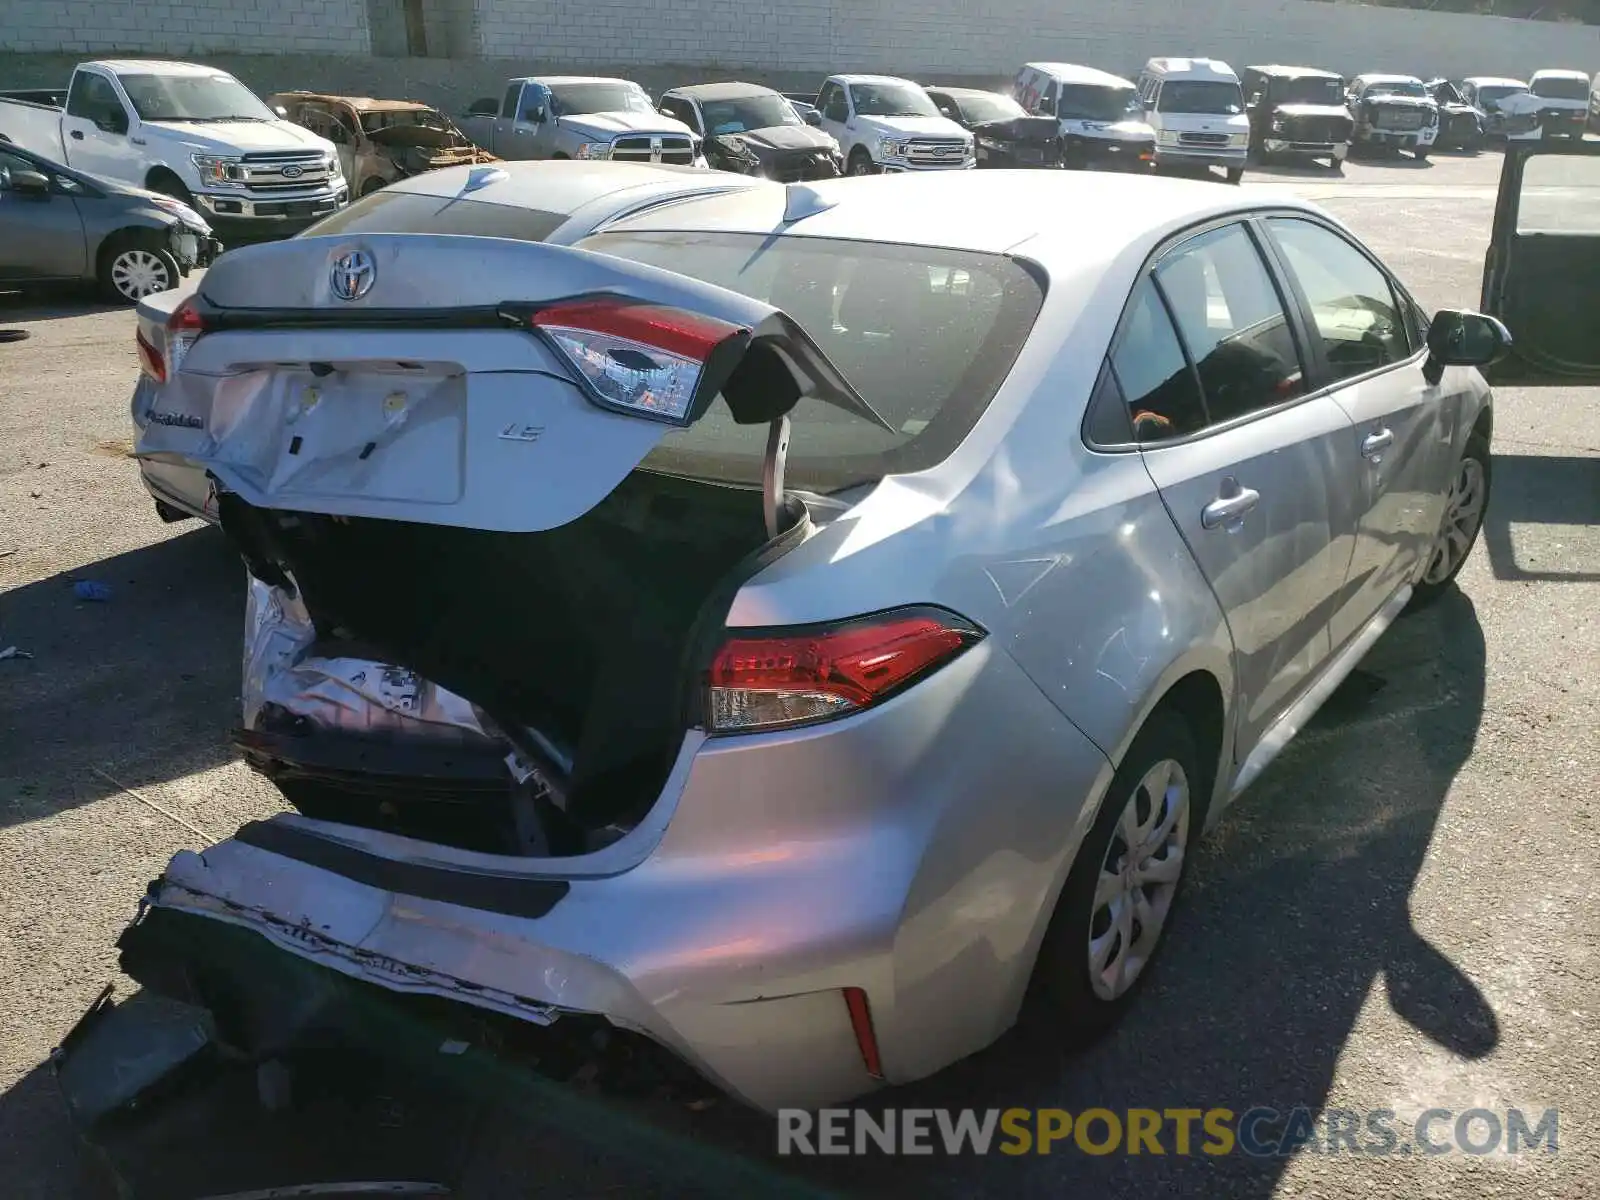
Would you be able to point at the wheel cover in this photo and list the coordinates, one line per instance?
(139, 273)
(861, 166)
(1138, 879)
(1463, 514)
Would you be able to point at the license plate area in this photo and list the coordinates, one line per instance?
(385, 431)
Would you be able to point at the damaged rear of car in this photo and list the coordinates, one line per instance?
(496, 499)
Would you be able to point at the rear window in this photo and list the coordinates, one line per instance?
(406, 212)
(926, 335)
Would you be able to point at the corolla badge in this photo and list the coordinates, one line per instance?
(353, 275)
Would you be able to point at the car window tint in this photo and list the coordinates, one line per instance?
(391, 211)
(927, 335)
(1353, 309)
(1560, 194)
(1232, 322)
(1162, 395)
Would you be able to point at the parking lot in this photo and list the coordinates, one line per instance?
(1402, 914)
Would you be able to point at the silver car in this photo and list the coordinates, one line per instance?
(787, 623)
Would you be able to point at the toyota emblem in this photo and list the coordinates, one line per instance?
(352, 275)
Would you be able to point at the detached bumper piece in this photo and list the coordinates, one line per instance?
(348, 1083)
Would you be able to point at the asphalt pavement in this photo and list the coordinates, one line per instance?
(1402, 914)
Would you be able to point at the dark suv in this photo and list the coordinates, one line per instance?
(1297, 112)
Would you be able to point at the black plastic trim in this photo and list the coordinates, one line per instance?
(512, 897)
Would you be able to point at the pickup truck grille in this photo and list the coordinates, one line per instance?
(663, 148)
(1207, 140)
(1321, 130)
(937, 152)
(1398, 118)
(284, 170)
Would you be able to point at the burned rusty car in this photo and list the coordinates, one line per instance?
(380, 141)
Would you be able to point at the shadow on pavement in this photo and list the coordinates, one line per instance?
(1539, 490)
(1297, 910)
(143, 686)
(52, 304)
(1402, 161)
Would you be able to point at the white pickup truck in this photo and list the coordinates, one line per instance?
(192, 132)
(885, 124)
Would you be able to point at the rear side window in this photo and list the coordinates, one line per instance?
(1162, 395)
(389, 211)
(1232, 322)
(1353, 308)
(926, 335)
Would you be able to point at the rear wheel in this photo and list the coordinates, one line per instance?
(1465, 505)
(135, 266)
(1420, 154)
(1115, 904)
(1235, 174)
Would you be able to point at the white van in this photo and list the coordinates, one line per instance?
(1196, 107)
(1563, 102)
(1099, 118)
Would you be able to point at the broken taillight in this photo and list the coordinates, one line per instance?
(182, 330)
(644, 359)
(784, 678)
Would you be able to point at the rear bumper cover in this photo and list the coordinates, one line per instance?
(727, 924)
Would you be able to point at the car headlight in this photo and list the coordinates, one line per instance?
(739, 146)
(1238, 139)
(1168, 137)
(593, 150)
(988, 144)
(219, 170)
(182, 211)
(1433, 117)
(1277, 124)
(890, 148)
(334, 167)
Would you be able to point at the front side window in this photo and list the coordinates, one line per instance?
(926, 335)
(833, 103)
(93, 98)
(1353, 309)
(891, 100)
(1233, 323)
(193, 98)
(1210, 97)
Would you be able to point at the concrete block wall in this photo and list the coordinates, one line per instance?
(178, 27)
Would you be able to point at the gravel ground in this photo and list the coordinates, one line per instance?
(1401, 914)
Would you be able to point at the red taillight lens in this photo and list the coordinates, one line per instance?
(774, 680)
(184, 326)
(646, 359)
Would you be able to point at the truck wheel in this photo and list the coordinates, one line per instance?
(1420, 154)
(861, 163)
(1235, 174)
(136, 265)
(372, 185)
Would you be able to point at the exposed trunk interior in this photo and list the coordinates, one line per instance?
(582, 644)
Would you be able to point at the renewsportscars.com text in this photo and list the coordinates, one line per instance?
(1259, 1132)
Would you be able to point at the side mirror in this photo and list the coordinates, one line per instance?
(29, 183)
(1464, 339)
(283, 113)
(813, 117)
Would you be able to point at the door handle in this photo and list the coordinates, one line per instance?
(1375, 443)
(1230, 506)
(77, 135)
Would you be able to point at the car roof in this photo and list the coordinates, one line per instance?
(360, 103)
(559, 80)
(1296, 72)
(561, 186)
(1200, 68)
(720, 91)
(1073, 73)
(1494, 81)
(1385, 77)
(849, 79)
(962, 91)
(1048, 209)
(1558, 73)
(137, 66)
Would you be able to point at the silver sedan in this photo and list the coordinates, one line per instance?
(788, 623)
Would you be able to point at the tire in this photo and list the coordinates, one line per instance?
(1235, 174)
(1336, 165)
(861, 163)
(1456, 538)
(371, 185)
(1079, 1003)
(169, 514)
(1420, 154)
(136, 265)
